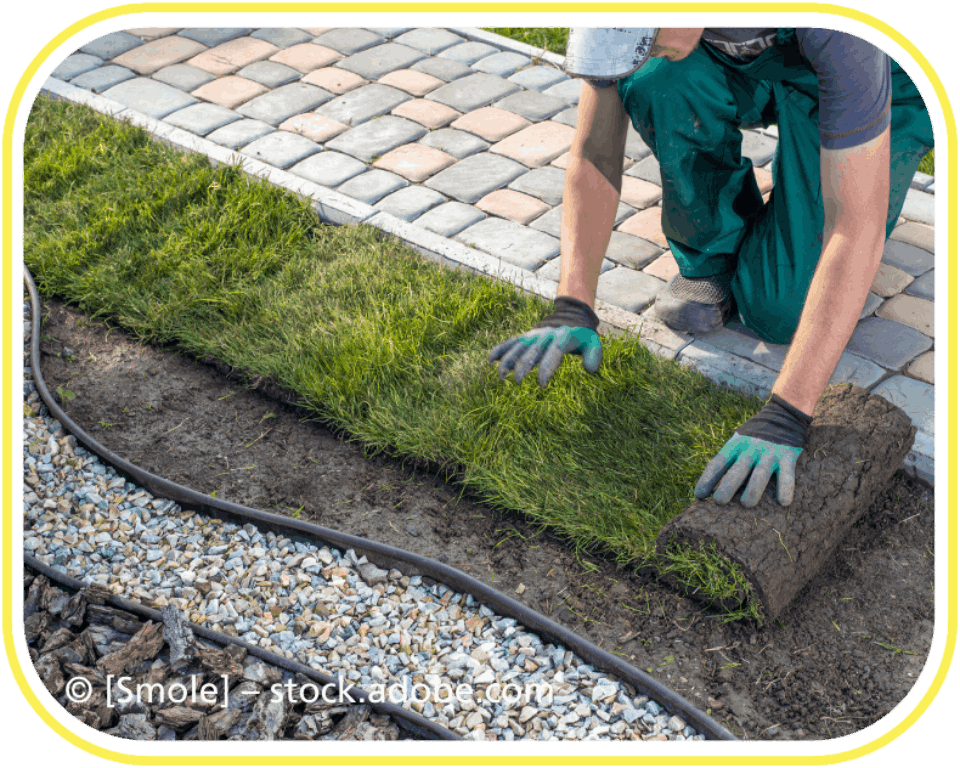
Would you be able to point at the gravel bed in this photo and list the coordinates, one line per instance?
(419, 645)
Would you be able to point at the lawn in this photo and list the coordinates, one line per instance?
(377, 340)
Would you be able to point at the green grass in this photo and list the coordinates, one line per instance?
(373, 337)
(554, 39)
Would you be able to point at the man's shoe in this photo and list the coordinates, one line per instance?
(696, 305)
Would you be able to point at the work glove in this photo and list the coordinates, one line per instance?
(769, 442)
(571, 329)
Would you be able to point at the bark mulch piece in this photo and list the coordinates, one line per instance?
(856, 443)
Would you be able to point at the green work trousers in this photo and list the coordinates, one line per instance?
(690, 113)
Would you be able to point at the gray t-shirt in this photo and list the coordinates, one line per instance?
(855, 85)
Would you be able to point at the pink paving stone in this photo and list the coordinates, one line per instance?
(922, 368)
(914, 233)
(313, 126)
(431, 114)
(646, 224)
(764, 180)
(416, 162)
(415, 83)
(536, 145)
(233, 55)
(150, 57)
(639, 193)
(307, 57)
(152, 33)
(491, 124)
(890, 281)
(230, 91)
(909, 310)
(664, 267)
(512, 205)
(335, 80)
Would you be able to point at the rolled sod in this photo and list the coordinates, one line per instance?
(855, 444)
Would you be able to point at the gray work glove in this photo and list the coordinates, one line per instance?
(571, 329)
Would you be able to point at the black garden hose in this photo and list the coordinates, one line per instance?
(382, 555)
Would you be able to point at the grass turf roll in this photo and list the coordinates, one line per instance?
(855, 444)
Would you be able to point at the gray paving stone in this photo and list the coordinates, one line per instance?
(567, 117)
(377, 137)
(450, 218)
(915, 398)
(473, 92)
(628, 289)
(537, 78)
(431, 41)
(920, 181)
(281, 103)
(212, 36)
(856, 370)
(757, 147)
(930, 189)
(349, 41)
(871, 305)
(551, 270)
(630, 251)
(272, 74)
(442, 69)
(282, 149)
(329, 169)
(647, 169)
(372, 186)
(150, 97)
(532, 105)
(202, 118)
(919, 206)
(241, 133)
(542, 183)
(512, 242)
(282, 37)
(502, 64)
(183, 76)
(363, 104)
(112, 45)
(923, 287)
(376, 62)
(568, 90)
(727, 369)
(75, 65)
(458, 144)
(550, 221)
(410, 203)
(887, 343)
(99, 80)
(468, 53)
(912, 260)
(389, 32)
(476, 176)
(636, 149)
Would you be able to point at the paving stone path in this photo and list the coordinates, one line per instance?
(456, 141)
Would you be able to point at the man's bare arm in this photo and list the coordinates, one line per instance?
(856, 191)
(591, 190)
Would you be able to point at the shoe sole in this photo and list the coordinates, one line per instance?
(692, 316)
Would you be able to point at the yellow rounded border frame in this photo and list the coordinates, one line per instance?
(948, 174)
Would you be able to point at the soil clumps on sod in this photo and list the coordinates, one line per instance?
(842, 655)
(855, 444)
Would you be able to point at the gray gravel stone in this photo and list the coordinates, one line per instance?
(202, 118)
(377, 137)
(458, 144)
(443, 69)
(376, 62)
(112, 45)
(75, 65)
(510, 241)
(473, 92)
(282, 37)
(431, 41)
(329, 168)
(150, 97)
(476, 176)
(281, 149)
(502, 64)
(213, 36)
(183, 76)
(363, 104)
(450, 218)
(282, 103)
(372, 186)
(103, 78)
(272, 74)
(889, 344)
(241, 133)
(349, 41)
(532, 105)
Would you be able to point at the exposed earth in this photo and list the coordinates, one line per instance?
(842, 656)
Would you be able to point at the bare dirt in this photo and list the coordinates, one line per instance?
(840, 657)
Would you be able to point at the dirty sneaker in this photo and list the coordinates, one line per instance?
(696, 305)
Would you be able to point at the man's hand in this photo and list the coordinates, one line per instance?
(571, 329)
(770, 442)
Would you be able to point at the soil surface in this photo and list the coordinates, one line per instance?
(840, 657)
